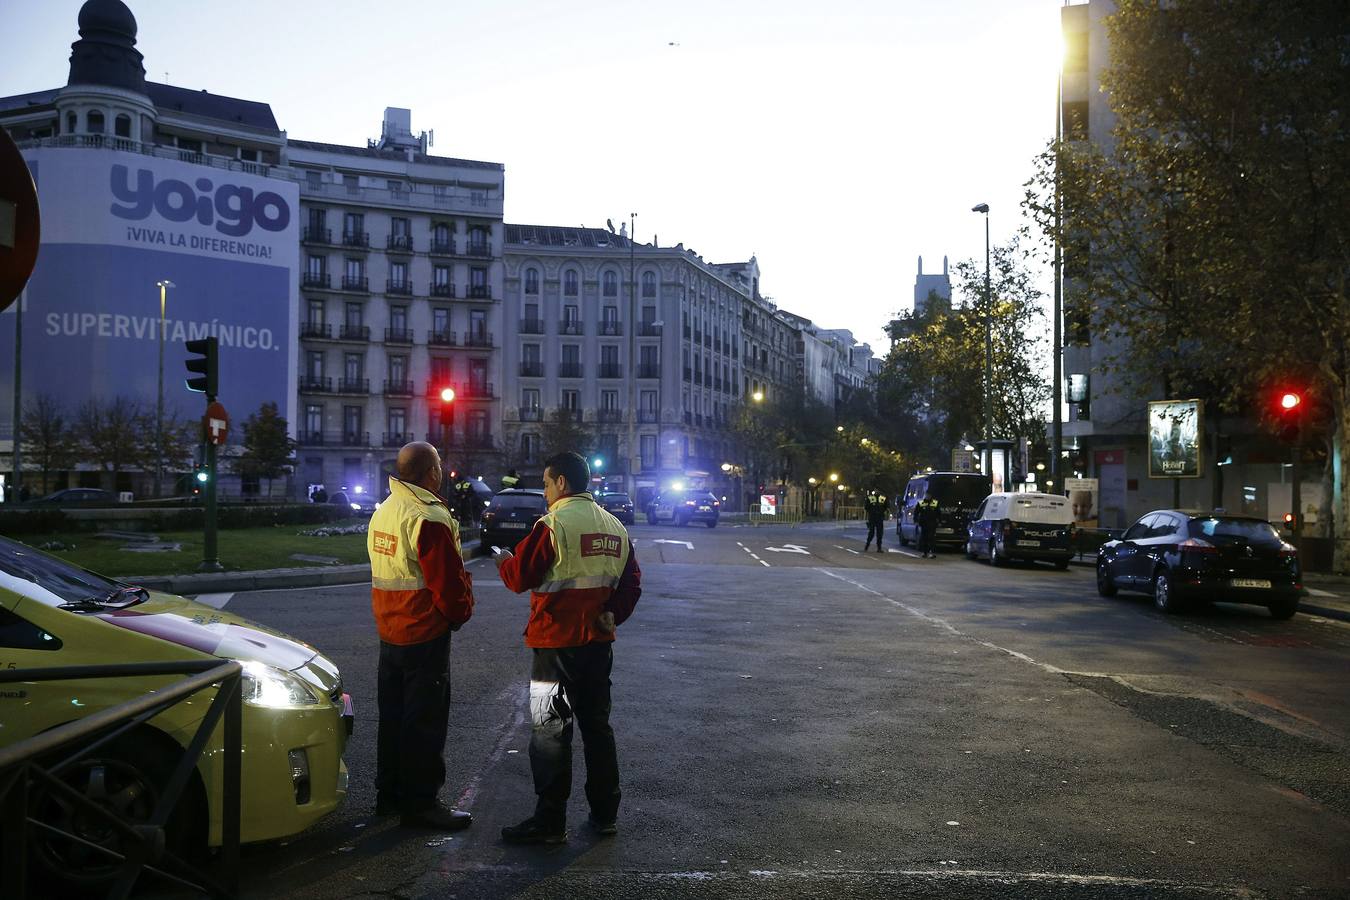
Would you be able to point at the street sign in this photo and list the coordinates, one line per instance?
(768, 504)
(216, 423)
(20, 230)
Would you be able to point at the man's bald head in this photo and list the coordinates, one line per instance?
(419, 463)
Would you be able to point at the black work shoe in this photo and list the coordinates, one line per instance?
(604, 829)
(437, 818)
(532, 831)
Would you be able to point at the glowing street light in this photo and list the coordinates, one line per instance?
(834, 476)
(757, 396)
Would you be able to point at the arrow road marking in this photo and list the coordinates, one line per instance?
(789, 548)
(688, 544)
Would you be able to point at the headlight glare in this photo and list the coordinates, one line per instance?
(264, 685)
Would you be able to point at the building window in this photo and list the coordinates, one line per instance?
(611, 284)
(398, 369)
(440, 371)
(398, 274)
(529, 398)
(93, 122)
(478, 240)
(647, 443)
(570, 283)
(570, 400)
(122, 126)
(571, 316)
(314, 418)
(440, 320)
(398, 422)
(609, 400)
(529, 354)
(649, 285)
(353, 226)
(478, 279)
(529, 448)
(313, 179)
(440, 277)
(354, 315)
(531, 281)
(71, 121)
(314, 312)
(354, 269)
(440, 237)
(352, 419)
(478, 324)
(314, 266)
(248, 154)
(398, 318)
(314, 364)
(351, 367)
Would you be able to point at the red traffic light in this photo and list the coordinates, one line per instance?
(447, 395)
(1289, 400)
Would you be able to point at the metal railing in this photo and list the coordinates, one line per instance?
(140, 846)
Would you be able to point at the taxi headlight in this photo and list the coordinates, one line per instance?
(264, 685)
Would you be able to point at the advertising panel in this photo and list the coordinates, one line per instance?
(1082, 494)
(115, 224)
(963, 460)
(768, 504)
(1174, 438)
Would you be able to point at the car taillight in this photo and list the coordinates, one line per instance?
(689, 503)
(1007, 528)
(717, 503)
(1195, 545)
(1288, 551)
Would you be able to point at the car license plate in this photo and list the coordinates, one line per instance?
(1025, 543)
(705, 509)
(944, 531)
(514, 525)
(1249, 583)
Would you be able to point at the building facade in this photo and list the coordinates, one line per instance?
(932, 290)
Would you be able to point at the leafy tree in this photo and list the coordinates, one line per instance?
(931, 383)
(1216, 219)
(268, 451)
(47, 436)
(113, 436)
(565, 431)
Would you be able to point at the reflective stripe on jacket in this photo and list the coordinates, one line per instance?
(405, 608)
(590, 550)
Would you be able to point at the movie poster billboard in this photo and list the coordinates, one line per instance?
(1082, 494)
(116, 223)
(1175, 432)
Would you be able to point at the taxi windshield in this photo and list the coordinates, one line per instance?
(68, 582)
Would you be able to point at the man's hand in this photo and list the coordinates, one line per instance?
(605, 622)
(500, 555)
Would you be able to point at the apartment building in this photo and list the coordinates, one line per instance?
(401, 297)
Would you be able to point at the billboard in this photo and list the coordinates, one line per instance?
(116, 223)
(1175, 429)
(1082, 494)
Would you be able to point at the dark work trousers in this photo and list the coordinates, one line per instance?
(413, 691)
(927, 533)
(875, 527)
(565, 684)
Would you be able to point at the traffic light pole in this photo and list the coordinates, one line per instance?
(210, 556)
(1296, 484)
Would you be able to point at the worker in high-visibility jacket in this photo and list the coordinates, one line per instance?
(578, 565)
(510, 480)
(420, 592)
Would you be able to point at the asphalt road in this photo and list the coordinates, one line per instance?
(796, 718)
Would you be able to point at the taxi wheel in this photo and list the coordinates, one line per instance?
(124, 778)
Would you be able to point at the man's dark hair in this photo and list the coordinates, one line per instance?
(573, 467)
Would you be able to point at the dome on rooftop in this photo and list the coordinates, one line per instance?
(107, 16)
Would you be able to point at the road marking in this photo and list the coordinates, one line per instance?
(789, 548)
(765, 565)
(906, 553)
(753, 555)
(1316, 593)
(689, 544)
(519, 696)
(851, 550)
(215, 601)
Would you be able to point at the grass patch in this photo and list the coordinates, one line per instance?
(239, 549)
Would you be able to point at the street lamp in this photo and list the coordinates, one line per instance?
(757, 396)
(983, 208)
(159, 404)
(834, 476)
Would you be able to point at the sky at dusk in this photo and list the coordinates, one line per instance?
(837, 142)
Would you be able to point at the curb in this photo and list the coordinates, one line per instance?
(265, 579)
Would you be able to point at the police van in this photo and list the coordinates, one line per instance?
(958, 495)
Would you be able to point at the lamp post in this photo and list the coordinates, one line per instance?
(988, 351)
(159, 403)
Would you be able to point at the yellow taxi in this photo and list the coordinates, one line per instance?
(296, 718)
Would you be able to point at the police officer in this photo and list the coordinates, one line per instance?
(464, 499)
(510, 479)
(926, 517)
(578, 565)
(877, 508)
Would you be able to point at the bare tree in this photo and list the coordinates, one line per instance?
(47, 436)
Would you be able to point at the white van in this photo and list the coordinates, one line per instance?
(1028, 525)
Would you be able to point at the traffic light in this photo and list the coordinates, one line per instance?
(447, 408)
(1290, 414)
(206, 368)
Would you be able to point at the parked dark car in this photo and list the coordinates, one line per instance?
(1027, 525)
(509, 516)
(78, 497)
(958, 494)
(359, 504)
(1183, 556)
(617, 504)
(680, 507)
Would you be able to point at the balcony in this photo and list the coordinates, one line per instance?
(354, 333)
(611, 328)
(531, 414)
(477, 390)
(483, 251)
(570, 327)
(569, 370)
(398, 388)
(532, 369)
(611, 370)
(480, 292)
(360, 239)
(649, 329)
(400, 243)
(314, 280)
(609, 416)
(438, 289)
(648, 416)
(314, 384)
(441, 248)
(354, 386)
(649, 370)
(398, 336)
(317, 235)
(316, 331)
(309, 438)
(396, 438)
(356, 283)
(531, 326)
(478, 339)
(356, 438)
(479, 441)
(440, 339)
(402, 287)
